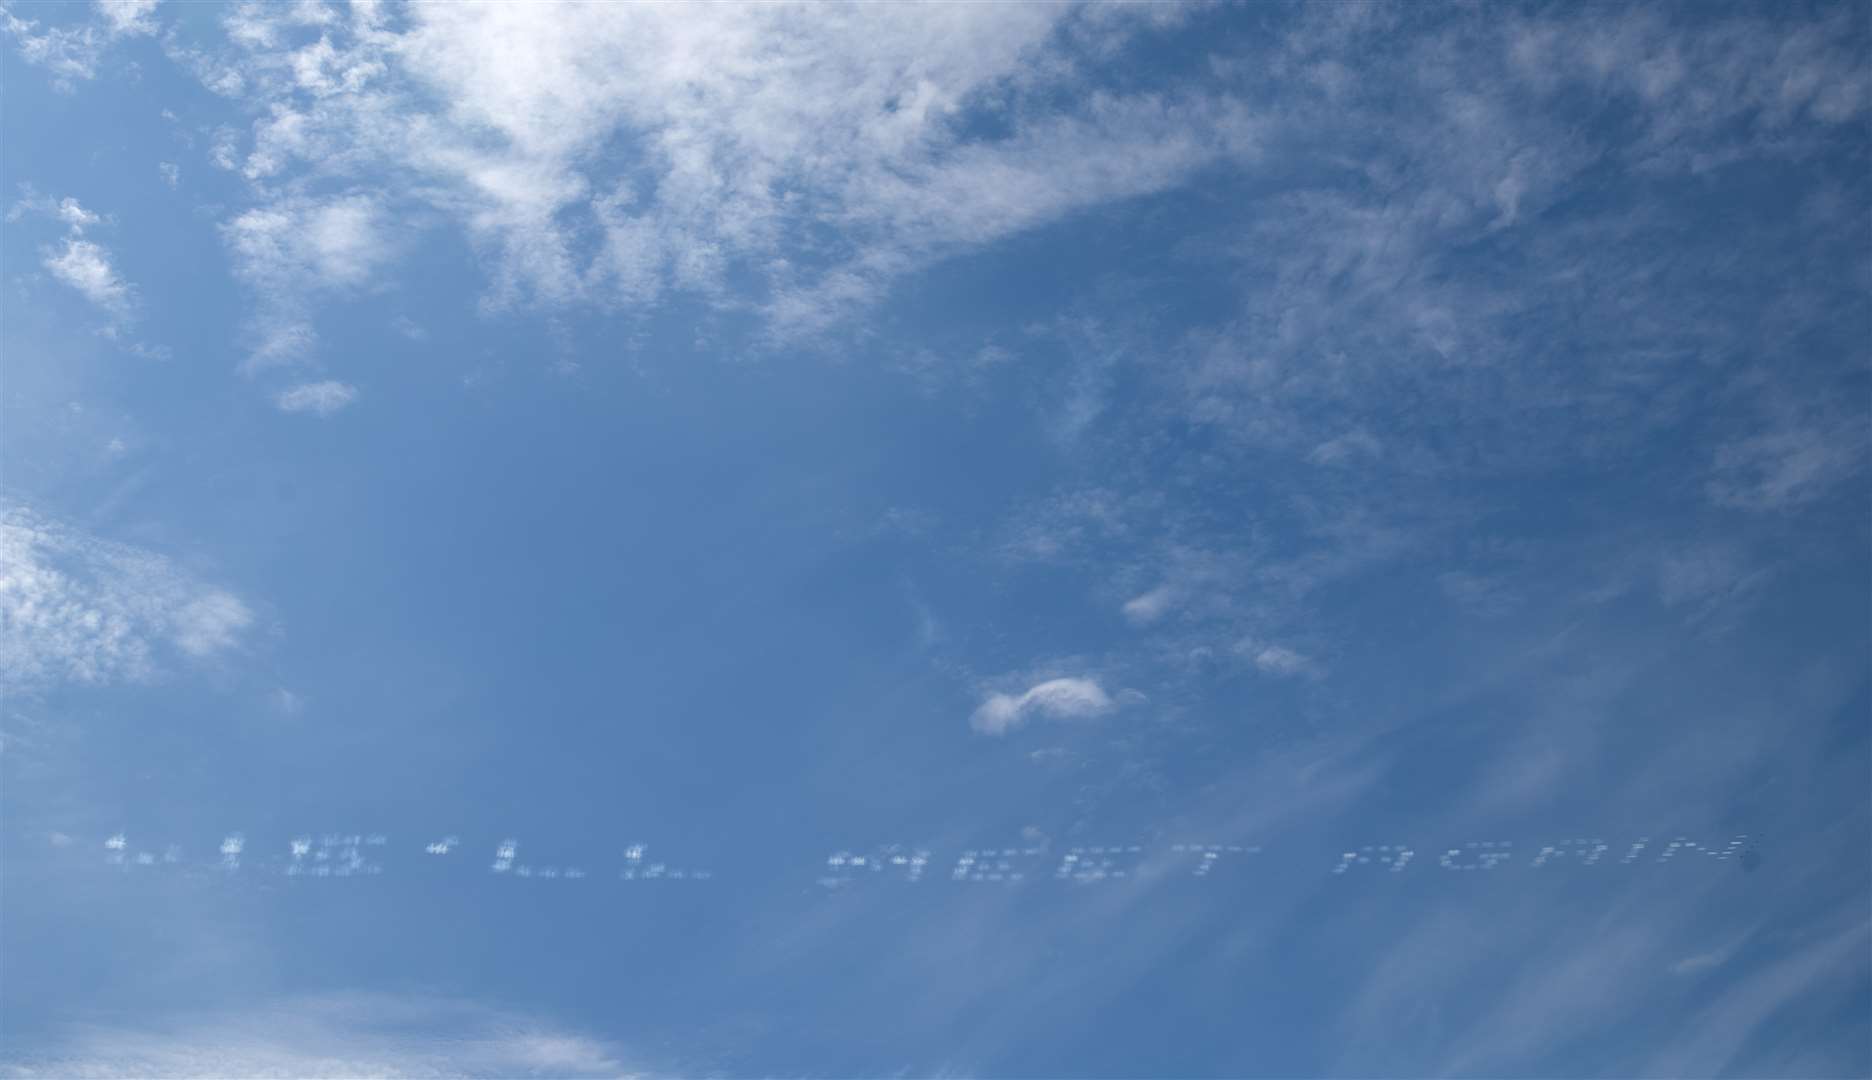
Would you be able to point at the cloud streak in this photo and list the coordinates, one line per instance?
(1054, 699)
(333, 1035)
(316, 398)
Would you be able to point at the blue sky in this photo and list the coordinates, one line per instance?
(977, 440)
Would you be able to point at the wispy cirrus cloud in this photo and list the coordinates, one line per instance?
(316, 398)
(331, 1035)
(1786, 466)
(296, 249)
(77, 609)
(1277, 659)
(609, 155)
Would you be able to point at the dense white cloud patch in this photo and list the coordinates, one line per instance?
(607, 153)
(318, 398)
(1059, 699)
(77, 609)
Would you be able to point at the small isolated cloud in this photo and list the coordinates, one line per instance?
(86, 266)
(1058, 699)
(171, 173)
(77, 609)
(317, 398)
(82, 264)
(1277, 659)
(1691, 965)
(1151, 606)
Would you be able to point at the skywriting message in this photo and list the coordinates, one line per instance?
(350, 855)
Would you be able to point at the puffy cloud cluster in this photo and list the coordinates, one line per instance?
(75, 52)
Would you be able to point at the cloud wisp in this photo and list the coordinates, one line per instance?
(332, 1035)
(1054, 699)
(316, 398)
(76, 609)
(73, 53)
(76, 261)
(610, 155)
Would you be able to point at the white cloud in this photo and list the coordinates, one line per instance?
(78, 609)
(1699, 962)
(331, 242)
(171, 173)
(297, 246)
(67, 210)
(210, 623)
(1345, 448)
(335, 1035)
(1709, 1044)
(71, 213)
(86, 267)
(128, 16)
(317, 398)
(74, 52)
(1786, 467)
(82, 264)
(1361, 307)
(1059, 699)
(819, 151)
(1278, 660)
(68, 52)
(1150, 606)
